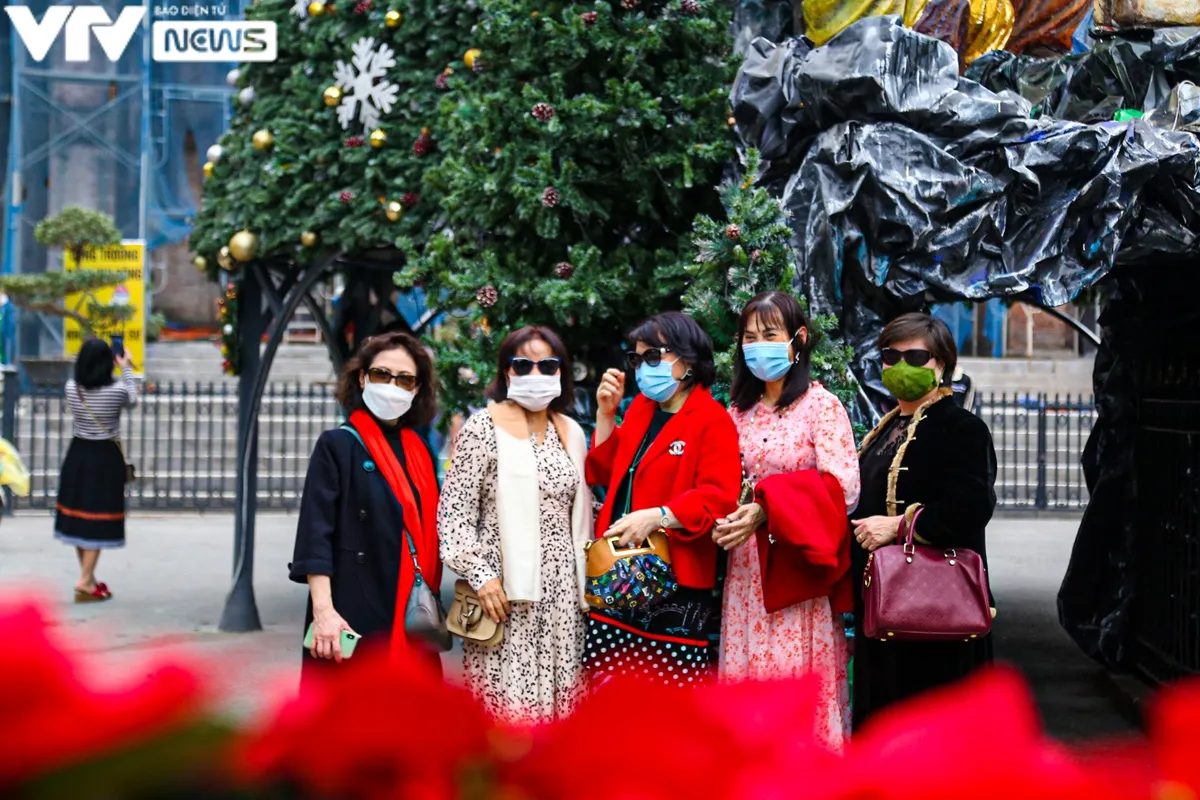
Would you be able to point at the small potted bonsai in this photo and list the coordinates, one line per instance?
(74, 230)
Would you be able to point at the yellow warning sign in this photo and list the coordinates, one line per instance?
(128, 257)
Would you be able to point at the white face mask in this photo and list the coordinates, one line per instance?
(387, 401)
(534, 392)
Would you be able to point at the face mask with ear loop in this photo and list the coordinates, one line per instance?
(769, 361)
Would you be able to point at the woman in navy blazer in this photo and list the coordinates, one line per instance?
(673, 464)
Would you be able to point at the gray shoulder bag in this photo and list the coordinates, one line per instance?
(424, 617)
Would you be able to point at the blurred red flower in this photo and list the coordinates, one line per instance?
(642, 741)
(981, 739)
(52, 719)
(1174, 726)
(371, 728)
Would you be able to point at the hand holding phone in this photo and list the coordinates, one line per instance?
(118, 346)
(348, 640)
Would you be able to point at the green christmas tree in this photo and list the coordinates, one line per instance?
(330, 143)
(575, 157)
(742, 255)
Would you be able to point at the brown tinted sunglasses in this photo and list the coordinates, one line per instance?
(404, 380)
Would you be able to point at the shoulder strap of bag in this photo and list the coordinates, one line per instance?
(115, 437)
(412, 548)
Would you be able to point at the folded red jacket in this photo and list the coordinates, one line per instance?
(804, 547)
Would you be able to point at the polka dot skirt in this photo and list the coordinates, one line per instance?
(612, 651)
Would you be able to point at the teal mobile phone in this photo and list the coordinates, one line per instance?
(349, 641)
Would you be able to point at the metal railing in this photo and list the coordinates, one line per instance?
(183, 440)
(1039, 441)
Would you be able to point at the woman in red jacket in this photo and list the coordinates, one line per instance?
(672, 464)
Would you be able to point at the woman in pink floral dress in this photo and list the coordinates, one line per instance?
(786, 423)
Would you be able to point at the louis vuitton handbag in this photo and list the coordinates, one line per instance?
(468, 621)
(918, 593)
(629, 577)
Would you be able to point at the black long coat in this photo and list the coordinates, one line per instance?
(944, 461)
(350, 528)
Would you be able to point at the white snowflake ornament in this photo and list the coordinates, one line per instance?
(300, 8)
(363, 98)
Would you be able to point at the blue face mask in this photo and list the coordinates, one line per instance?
(768, 361)
(657, 383)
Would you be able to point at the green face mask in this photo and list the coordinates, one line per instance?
(907, 382)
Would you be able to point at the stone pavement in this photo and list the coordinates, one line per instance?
(170, 585)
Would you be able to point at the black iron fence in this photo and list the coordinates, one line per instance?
(183, 440)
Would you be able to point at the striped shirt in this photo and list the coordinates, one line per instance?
(105, 405)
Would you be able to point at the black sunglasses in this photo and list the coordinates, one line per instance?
(523, 366)
(404, 380)
(915, 358)
(652, 357)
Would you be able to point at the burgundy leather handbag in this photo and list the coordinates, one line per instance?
(917, 593)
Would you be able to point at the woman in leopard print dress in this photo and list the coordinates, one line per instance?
(514, 516)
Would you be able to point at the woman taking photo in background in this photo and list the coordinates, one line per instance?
(672, 464)
(370, 500)
(946, 473)
(514, 518)
(792, 431)
(91, 486)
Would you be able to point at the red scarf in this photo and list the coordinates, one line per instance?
(421, 525)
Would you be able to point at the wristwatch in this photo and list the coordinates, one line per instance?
(665, 522)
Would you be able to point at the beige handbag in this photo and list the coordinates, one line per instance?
(468, 620)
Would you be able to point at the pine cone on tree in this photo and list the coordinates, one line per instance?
(544, 112)
(487, 296)
(550, 197)
(564, 270)
(362, 7)
(441, 82)
(629, 5)
(733, 232)
(410, 199)
(346, 196)
(755, 255)
(354, 141)
(423, 144)
(691, 6)
(589, 18)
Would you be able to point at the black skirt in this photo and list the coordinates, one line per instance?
(91, 496)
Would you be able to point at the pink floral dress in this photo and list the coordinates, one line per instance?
(813, 432)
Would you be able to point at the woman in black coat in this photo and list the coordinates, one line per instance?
(367, 493)
(927, 454)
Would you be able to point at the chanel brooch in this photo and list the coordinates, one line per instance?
(676, 448)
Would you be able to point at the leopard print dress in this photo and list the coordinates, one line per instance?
(536, 674)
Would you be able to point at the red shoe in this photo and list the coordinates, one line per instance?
(103, 587)
(97, 595)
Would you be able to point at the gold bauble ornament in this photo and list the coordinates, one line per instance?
(208, 169)
(731, 122)
(262, 139)
(470, 56)
(333, 96)
(225, 259)
(378, 138)
(395, 211)
(393, 19)
(243, 246)
(316, 8)
(200, 263)
(309, 239)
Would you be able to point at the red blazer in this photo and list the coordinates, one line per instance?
(693, 468)
(810, 554)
